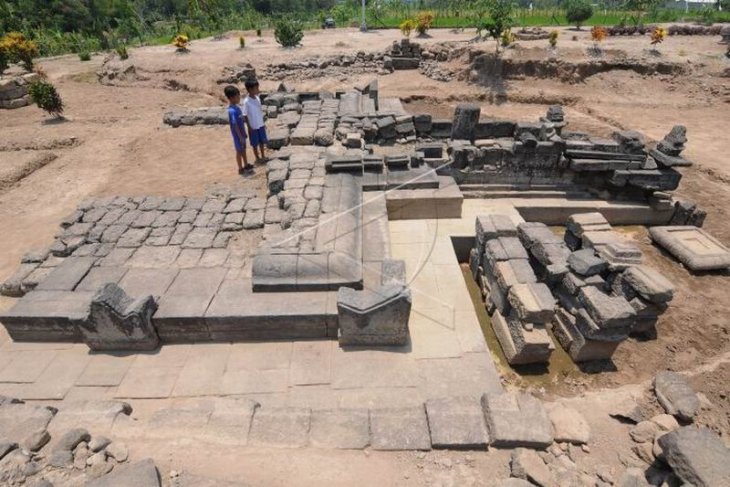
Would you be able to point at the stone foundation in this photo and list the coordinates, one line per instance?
(14, 90)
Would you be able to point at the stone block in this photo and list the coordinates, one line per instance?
(648, 283)
(676, 395)
(47, 316)
(692, 246)
(528, 465)
(280, 428)
(586, 222)
(608, 311)
(516, 419)
(586, 263)
(620, 255)
(340, 429)
(697, 456)
(374, 317)
(580, 348)
(457, 423)
(119, 322)
(568, 424)
(522, 343)
(533, 302)
(400, 429)
(511, 272)
(466, 118)
(505, 248)
(13, 285)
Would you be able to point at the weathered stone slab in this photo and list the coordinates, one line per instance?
(580, 223)
(586, 263)
(568, 424)
(140, 474)
(692, 246)
(18, 420)
(580, 348)
(533, 302)
(118, 322)
(66, 276)
(676, 395)
(520, 344)
(516, 419)
(648, 283)
(608, 311)
(280, 427)
(340, 428)
(457, 423)
(697, 456)
(400, 429)
(98, 276)
(505, 248)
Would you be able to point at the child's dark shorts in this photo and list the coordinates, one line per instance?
(258, 136)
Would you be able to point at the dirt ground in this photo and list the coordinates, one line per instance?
(113, 142)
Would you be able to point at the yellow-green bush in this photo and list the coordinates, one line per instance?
(14, 48)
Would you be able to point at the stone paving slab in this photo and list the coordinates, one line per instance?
(457, 422)
(280, 428)
(311, 363)
(202, 372)
(400, 429)
(98, 276)
(148, 383)
(59, 376)
(340, 429)
(26, 366)
(105, 369)
(517, 419)
(144, 282)
(66, 276)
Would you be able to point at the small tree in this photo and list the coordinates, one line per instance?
(424, 21)
(44, 94)
(598, 34)
(657, 37)
(578, 11)
(407, 26)
(122, 52)
(288, 33)
(553, 38)
(181, 43)
(500, 19)
(242, 42)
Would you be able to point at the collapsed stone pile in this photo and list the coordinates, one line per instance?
(327, 66)
(602, 290)
(402, 55)
(41, 445)
(237, 74)
(14, 90)
(520, 306)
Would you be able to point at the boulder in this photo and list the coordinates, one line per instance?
(698, 456)
(568, 424)
(140, 474)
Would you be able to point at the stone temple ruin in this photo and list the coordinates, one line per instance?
(132, 272)
(531, 209)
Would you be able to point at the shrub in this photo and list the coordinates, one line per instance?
(424, 21)
(406, 27)
(578, 11)
(258, 32)
(14, 47)
(288, 33)
(507, 38)
(122, 51)
(658, 35)
(242, 42)
(44, 94)
(553, 38)
(85, 56)
(598, 34)
(181, 42)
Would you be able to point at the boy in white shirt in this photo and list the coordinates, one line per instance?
(254, 117)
